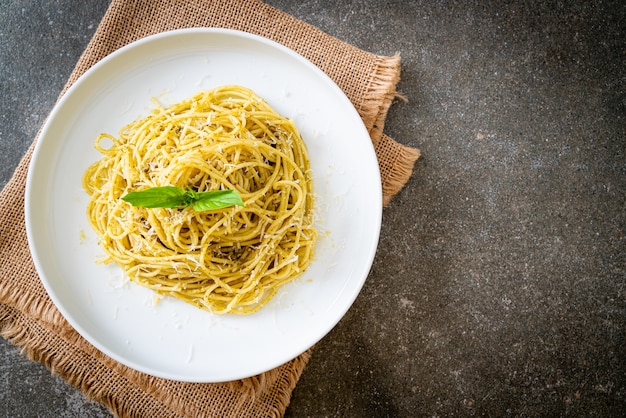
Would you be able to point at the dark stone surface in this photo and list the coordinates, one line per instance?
(499, 284)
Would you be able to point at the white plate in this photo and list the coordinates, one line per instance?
(172, 339)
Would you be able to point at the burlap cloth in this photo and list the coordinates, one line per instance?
(28, 317)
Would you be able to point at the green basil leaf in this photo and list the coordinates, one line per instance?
(216, 199)
(175, 197)
(159, 197)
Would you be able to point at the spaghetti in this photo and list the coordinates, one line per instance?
(229, 260)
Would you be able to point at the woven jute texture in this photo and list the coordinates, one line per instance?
(28, 317)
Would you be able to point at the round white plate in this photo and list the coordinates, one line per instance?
(169, 338)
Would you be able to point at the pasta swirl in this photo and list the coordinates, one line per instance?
(225, 260)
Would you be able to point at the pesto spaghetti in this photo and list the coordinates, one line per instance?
(223, 260)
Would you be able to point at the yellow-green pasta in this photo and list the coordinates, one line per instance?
(229, 260)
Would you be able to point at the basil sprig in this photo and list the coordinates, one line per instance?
(175, 197)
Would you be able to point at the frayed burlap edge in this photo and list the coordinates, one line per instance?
(397, 162)
(382, 85)
(145, 395)
(36, 342)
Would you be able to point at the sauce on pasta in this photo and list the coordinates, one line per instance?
(229, 260)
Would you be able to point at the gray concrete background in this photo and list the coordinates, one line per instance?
(499, 285)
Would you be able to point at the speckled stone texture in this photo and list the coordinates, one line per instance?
(499, 284)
